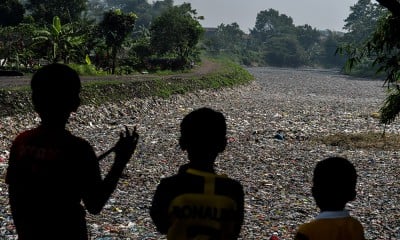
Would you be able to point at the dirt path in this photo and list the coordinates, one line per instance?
(205, 68)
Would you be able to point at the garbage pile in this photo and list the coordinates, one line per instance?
(271, 125)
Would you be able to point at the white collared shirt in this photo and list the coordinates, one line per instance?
(333, 214)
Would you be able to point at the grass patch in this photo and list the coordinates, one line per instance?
(369, 140)
(96, 92)
(228, 74)
(87, 70)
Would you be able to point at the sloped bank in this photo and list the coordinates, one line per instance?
(17, 100)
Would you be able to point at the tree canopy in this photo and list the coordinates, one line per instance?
(43, 11)
(383, 47)
(11, 12)
(176, 32)
(362, 21)
(270, 23)
(162, 31)
(116, 26)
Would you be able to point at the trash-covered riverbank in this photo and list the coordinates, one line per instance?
(276, 174)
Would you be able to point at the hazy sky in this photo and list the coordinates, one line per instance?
(321, 14)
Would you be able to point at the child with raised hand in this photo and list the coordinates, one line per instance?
(51, 171)
(197, 203)
(334, 185)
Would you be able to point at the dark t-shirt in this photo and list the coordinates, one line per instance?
(198, 204)
(49, 173)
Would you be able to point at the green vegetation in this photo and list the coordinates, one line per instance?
(275, 41)
(175, 34)
(118, 37)
(86, 69)
(17, 100)
(11, 12)
(369, 140)
(382, 50)
(130, 36)
(116, 26)
(43, 11)
(360, 24)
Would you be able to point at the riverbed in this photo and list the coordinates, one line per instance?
(276, 174)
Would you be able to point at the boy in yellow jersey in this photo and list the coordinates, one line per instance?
(334, 184)
(197, 203)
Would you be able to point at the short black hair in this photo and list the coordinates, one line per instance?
(55, 86)
(203, 129)
(334, 183)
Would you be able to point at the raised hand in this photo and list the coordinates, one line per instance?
(126, 145)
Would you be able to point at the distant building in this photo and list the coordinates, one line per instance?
(210, 31)
(326, 33)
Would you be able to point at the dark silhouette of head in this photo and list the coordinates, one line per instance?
(55, 93)
(203, 134)
(334, 183)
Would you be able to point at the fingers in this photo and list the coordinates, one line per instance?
(127, 131)
(126, 145)
(129, 135)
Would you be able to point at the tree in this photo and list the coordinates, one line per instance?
(43, 11)
(284, 52)
(15, 45)
(145, 10)
(275, 35)
(307, 36)
(360, 25)
(328, 56)
(384, 48)
(160, 7)
(116, 26)
(142, 8)
(176, 33)
(60, 42)
(270, 23)
(392, 5)
(362, 21)
(231, 35)
(309, 39)
(227, 38)
(11, 13)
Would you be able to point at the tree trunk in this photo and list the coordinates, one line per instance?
(114, 60)
(392, 5)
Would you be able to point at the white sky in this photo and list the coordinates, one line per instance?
(321, 14)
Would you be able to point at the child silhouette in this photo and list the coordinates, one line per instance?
(51, 171)
(197, 203)
(334, 184)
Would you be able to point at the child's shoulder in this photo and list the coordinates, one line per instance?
(325, 227)
(41, 134)
(27, 135)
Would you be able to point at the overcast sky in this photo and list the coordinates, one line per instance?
(321, 14)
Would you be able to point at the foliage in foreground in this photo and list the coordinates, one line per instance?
(383, 48)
